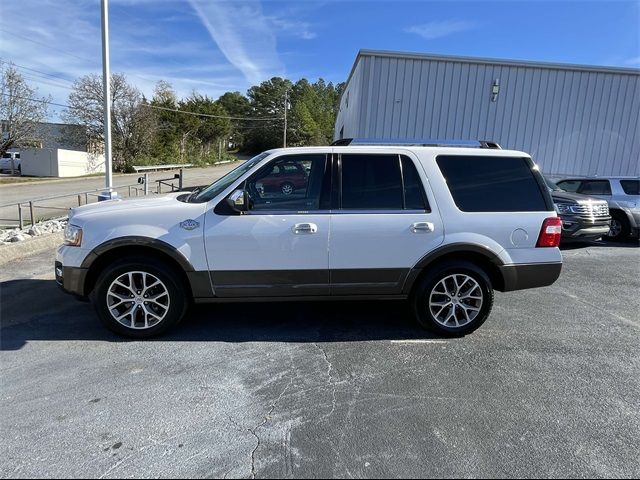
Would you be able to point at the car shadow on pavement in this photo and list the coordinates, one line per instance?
(37, 310)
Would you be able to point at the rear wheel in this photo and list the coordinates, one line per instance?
(453, 299)
(139, 298)
(620, 228)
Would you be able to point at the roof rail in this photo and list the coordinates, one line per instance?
(343, 142)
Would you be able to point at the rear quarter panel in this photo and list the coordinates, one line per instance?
(510, 235)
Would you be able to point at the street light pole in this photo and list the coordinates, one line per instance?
(106, 86)
(286, 107)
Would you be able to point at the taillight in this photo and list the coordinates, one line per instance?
(550, 233)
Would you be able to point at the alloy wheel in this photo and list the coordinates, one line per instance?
(138, 300)
(456, 300)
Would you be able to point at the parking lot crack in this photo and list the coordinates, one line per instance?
(330, 380)
(267, 417)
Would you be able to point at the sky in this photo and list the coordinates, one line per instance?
(212, 46)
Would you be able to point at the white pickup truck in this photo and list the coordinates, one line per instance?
(10, 161)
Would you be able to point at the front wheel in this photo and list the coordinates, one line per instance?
(620, 228)
(453, 299)
(139, 298)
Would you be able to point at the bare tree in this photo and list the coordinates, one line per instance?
(20, 110)
(132, 123)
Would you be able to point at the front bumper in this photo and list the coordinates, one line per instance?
(578, 227)
(71, 279)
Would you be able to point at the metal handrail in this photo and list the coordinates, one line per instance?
(53, 197)
(141, 186)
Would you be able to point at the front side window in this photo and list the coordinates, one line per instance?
(492, 184)
(288, 183)
(630, 187)
(595, 187)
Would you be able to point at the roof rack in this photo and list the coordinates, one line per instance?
(343, 142)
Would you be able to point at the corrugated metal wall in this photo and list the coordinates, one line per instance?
(573, 121)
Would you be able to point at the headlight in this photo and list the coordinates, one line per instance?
(72, 235)
(563, 208)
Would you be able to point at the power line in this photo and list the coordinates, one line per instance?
(48, 46)
(265, 119)
(156, 107)
(36, 71)
(35, 100)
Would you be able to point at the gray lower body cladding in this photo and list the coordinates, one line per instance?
(386, 283)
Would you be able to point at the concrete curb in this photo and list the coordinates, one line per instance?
(14, 251)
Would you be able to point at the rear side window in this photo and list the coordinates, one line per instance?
(595, 187)
(492, 184)
(414, 196)
(569, 185)
(630, 187)
(371, 182)
(381, 182)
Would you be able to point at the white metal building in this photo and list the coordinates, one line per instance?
(573, 119)
(57, 162)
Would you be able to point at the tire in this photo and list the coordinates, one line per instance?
(287, 188)
(620, 228)
(428, 303)
(149, 318)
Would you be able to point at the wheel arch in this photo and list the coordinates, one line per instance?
(111, 251)
(481, 256)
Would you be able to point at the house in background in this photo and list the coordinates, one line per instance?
(572, 119)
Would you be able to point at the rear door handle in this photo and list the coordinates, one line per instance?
(304, 228)
(422, 227)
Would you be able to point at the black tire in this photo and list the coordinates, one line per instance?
(620, 228)
(178, 300)
(287, 188)
(426, 285)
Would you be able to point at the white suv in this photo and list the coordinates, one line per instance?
(440, 226)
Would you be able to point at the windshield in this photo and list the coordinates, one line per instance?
(217, 187)
(552, 186)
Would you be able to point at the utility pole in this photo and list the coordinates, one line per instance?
(106, 87)
(286, 107)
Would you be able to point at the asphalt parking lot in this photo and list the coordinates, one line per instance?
(548, 387)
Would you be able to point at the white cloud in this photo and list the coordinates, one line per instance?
(244, 35)
(433, 30)
(61, 40)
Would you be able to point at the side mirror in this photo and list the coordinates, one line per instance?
(239, 201)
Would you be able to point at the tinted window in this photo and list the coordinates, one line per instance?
(17, 155)
(290, 182)
(217, 187)
(371, 182)
(570, 185)
(414, 197)
(595, 187)
(631, 187)
(492, 184)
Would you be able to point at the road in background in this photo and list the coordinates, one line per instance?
(23, 192)
(547, 387)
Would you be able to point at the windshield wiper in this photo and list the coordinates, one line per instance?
(193, 193)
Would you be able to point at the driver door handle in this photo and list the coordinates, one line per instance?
(422, 227)
(304, 228)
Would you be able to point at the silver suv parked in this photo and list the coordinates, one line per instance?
(621, 193)
(440, 226)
